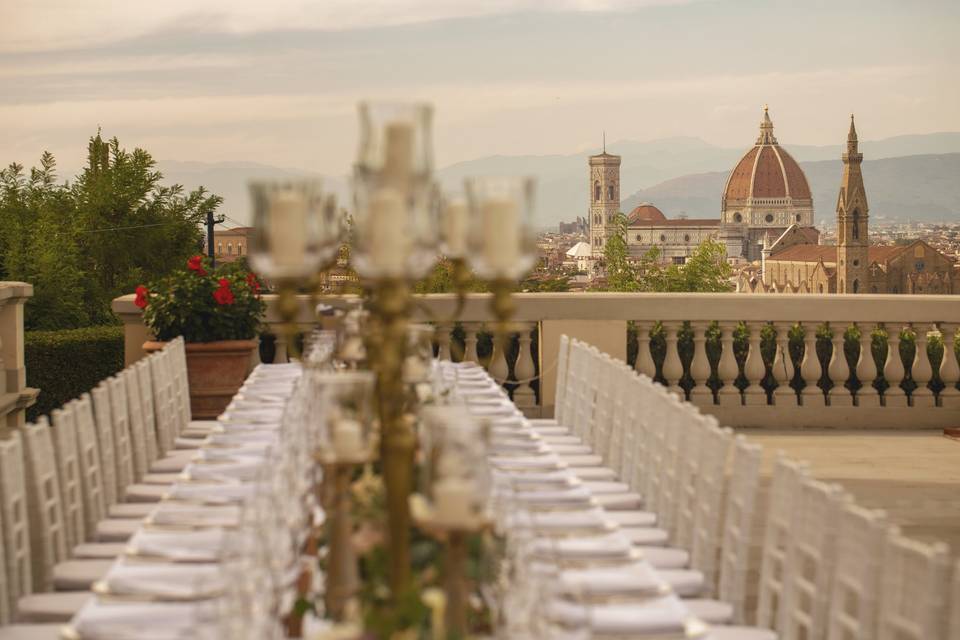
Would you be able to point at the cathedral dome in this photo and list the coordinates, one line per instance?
(766, 171)
(645, 213)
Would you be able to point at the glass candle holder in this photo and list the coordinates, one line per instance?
(342, 415)
(396, 231)
(502, 240)
(455, 474)
(419, 357)
(455, 223)
(296, 228)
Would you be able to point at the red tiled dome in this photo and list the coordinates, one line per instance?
(645, 212)
(767, 171)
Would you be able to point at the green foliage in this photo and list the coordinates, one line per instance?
(441, 280)
(93, 353)
(84, 243)
(203, 306)
(705, 271)
(621, 274)
(552, 284)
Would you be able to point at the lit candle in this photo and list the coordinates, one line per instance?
(455, 219)
(501, 231)
(348, 439)
(288, 229)
(453, 502)
(398, 155)
(389, 242)
(414, 370)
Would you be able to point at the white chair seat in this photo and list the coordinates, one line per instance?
(686, 583)
(633, 518)
(30, 632)
(543, 422)
(79, 575)
(202, 425)
(560, 439)
(595, 473)
(172, 463)
(740, 633)
(571, 449)
(145, 492)
(117, 530)
(127, 510)
(51, 607)
(710, 611)
(600, 487)
(646, 536)
(553, 430)
(160, 478)
(183, 443)
(581, 460)
(619, 501)
(98, 550)
(665, 557)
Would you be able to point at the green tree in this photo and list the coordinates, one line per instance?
(706, 270)
(621, 275)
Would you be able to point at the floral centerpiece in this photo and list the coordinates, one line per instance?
(218, 313)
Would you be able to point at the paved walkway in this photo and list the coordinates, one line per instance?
(914, 476)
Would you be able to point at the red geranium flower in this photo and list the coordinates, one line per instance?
(253, 283)
(141, 300)
(196, 264)
(223, 295)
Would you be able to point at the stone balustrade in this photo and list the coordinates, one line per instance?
(15, 396)
(824, 361)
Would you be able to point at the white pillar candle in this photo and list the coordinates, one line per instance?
(398, 155)
(453, 502)
(501, 229)
(414, 370)
(288, 229)
(348, 440)
(455, 221)
(386, 226)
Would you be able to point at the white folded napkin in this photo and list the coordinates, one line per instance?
(165, 581)
(188, 515)
(535, 479)
(526, 462)
(544, 497)
(564, 522)
(605, 547)
(243, 437)
(212, 493)
(205, 545)
(490, 410)
(99, 620)
(635, 580)
(663, 615)
(247, 450)
(245, 470)
(252, 415)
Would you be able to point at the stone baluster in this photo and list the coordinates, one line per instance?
(753, 369)
(838, 369)
(812, 395)
(893, 371)
(700, 394)
(442, 331)
(867, 395)
(922, 372)
(470, 342)
(727, 369)
(280, 345)
(949, 367)
(524, 371)
(672, 365)
(498, 366)
(782, 368)
(645, 363)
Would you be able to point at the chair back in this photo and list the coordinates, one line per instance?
(560, 395)
(810, 560)
(96, 488)
(14, 521)
(708, 504)
(109, 468)
(678, 430)
(687, 475)
(856, 576)
(164, 404)
(145, 382)
(130, 382)
(122, 440)
(740, 525)
(953, 630)
(913, 589)
(68, 470)
(176, 353)
(48, 537)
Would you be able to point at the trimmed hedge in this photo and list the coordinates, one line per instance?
(64, 364)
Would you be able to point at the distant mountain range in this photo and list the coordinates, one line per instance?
(907, 177)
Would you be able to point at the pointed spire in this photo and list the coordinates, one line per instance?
(766, 128)
(853, 151)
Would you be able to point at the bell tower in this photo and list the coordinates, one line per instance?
(604, 198)
(852, 230)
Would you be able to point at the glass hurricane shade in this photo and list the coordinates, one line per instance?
(455, 447)
(296, 228)
(395, 222)
(341, 420)
(501, 240)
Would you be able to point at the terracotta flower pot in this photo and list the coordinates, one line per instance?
(215, 371)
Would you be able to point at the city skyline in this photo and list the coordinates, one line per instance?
(239, 82)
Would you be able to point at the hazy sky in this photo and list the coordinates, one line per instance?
(277, 81)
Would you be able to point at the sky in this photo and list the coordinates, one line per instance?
(277, 82)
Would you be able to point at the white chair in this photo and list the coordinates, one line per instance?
(68, 471)
(913, 589)
(111, 416)
(141, 373)
(108, 457)
(953, 629)
(856, 576)
(164, 402)
(784, 487)
(125, 400)
(707, 530)
(687, 477)
(187, 427)
(92, 482)
(740, 524)
(810, 561)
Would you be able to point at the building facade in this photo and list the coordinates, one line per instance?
(230, 244)
(604, 199)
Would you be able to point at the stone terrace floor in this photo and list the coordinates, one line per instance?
(914, 476)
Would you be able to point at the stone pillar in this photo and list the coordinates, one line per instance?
(838, 370)
(893, 370)
(700, 394)
(470, 341)
(524, 370)
(753, 369)
(949, 368)
(812, 395)
(727, 369)
(672, 366)
(644, 363)
(867, 394)
(442, 331)
(782, 369)
(15, 396)
(498, 366)
(922, 372)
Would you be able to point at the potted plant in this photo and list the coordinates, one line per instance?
(218, 314)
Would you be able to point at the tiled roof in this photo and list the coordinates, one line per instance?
(767, 171)
(828, 253)
(645, 212)
(678, 222)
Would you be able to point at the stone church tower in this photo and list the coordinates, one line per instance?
(852, 232)
(604, 199)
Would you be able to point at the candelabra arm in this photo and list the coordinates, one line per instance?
(288, 308)
(456, 584)
(342, 579)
